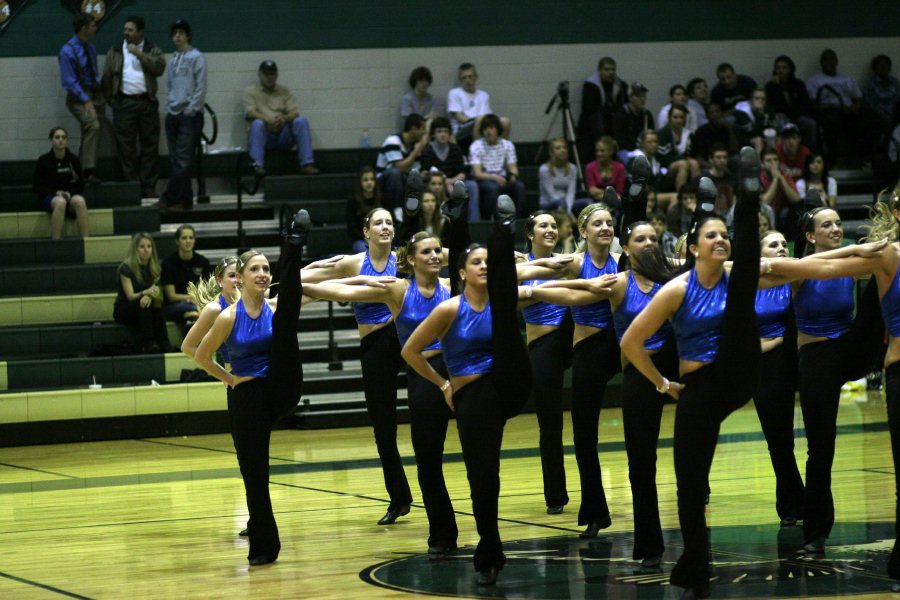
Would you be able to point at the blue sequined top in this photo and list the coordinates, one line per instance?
(597, 314)
(250, 342)
(468, 344)
(374, 312)
(698, 321)
(542, 313)
(632, 304)
(414, 310)
(890, 307)
(824, 308)
(772, 305)
(223, 349)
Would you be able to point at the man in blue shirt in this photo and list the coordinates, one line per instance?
(81, 80)
(186, 93)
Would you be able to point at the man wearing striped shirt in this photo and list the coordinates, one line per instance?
(495, 168)
(399, 154)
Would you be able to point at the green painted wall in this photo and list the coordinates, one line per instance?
(254, 25)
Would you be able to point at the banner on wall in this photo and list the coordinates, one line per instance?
(8, 11)
(100, 9)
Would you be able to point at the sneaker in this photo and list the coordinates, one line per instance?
(454, 207)
(706, 198)
(748, 172)
(505, 215)
(640, 174)
(299, 229)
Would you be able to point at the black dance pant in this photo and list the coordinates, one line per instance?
(547, 355)
(149, 323)
(255, 405)
(774, 401)
(642, 408)
(484, 405)
(429, 415)
(380, 362)
(823, 368)
(892, 383)
(713, 392)
(590, 371)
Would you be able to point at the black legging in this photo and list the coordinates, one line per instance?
(713, 392)
(428, 418)
(823, 368)
(484, 405)
(381, 362)
(548, 357)
(642, 408)
(256, 404)
(591, 359)
(149, 323)
(774, 401)
(892, 390)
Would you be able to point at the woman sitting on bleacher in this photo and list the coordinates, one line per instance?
(139, 303)
(58, 183)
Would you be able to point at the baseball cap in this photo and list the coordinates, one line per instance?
(268, 66)
(790, 129)
(638, 88)
(180, 24)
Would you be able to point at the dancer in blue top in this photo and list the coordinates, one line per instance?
(266, 377)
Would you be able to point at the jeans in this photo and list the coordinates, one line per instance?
(182, 137)
(488, 191)
(262, 139)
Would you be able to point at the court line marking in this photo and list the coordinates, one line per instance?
(44, 586)
(24, 468)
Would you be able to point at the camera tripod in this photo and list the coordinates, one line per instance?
(562, 107)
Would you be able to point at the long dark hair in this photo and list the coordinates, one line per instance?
(652, 264)
(529, 226)
(461, 262)
(808, 225)
(363, 204)
(690, 261)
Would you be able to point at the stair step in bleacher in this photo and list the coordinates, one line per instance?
(104, 221)
(323, 411)
(110, 194)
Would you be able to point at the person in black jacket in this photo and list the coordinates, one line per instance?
(58, 182)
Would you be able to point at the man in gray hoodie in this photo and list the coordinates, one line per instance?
(186, 79)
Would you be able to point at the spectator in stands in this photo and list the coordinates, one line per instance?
(180, 268)
(602, 93)
(756, 122)
(58, 183)
(399, 154)
(430, 218)
(788, 98)
(717, 168)
(680, 214)
(495, 167)
(677, 97)
(129, 84)
(605, 170)
(731, 89)
(698, 99)
(847, 128)
(443, 154)
(366, 196)
(815, 176)
(882, 91)
(139, 301)
(275, 121)
(716, 131)
(661, 183)
(417, 100)
(792, 153)
(81, 81)
(667, 240)
(631, 119)
(558, 178)
(436, 183)
(779, 190)
(185, 96)
(565, 223)
(674, 149)
(467, 106)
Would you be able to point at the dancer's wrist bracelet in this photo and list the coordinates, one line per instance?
(664, 387)
(445, 385)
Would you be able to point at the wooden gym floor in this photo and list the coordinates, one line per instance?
(158, 518)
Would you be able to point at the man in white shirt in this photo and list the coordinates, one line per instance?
(466, 105)
(129, 84)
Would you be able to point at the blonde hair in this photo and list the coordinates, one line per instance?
(884, 224)
(409, 249)
(583, 218)
(566, 167)
(131, 259)
(204, 292)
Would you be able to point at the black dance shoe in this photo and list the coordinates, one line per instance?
(896, 586)
(411, 205)
(640, 175)
(298, 231)
(692, 593)
(555, 509)
(789, 521)
(815, 547)
(263, 559)
(812, 199)
(488, 576)
(652, 562)
(610, 197)
(439, 551)
(245, 532)
(505, 215)
(455, 206)
(706, 198)
(748, 172)
(594, 527)
(391, 516)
